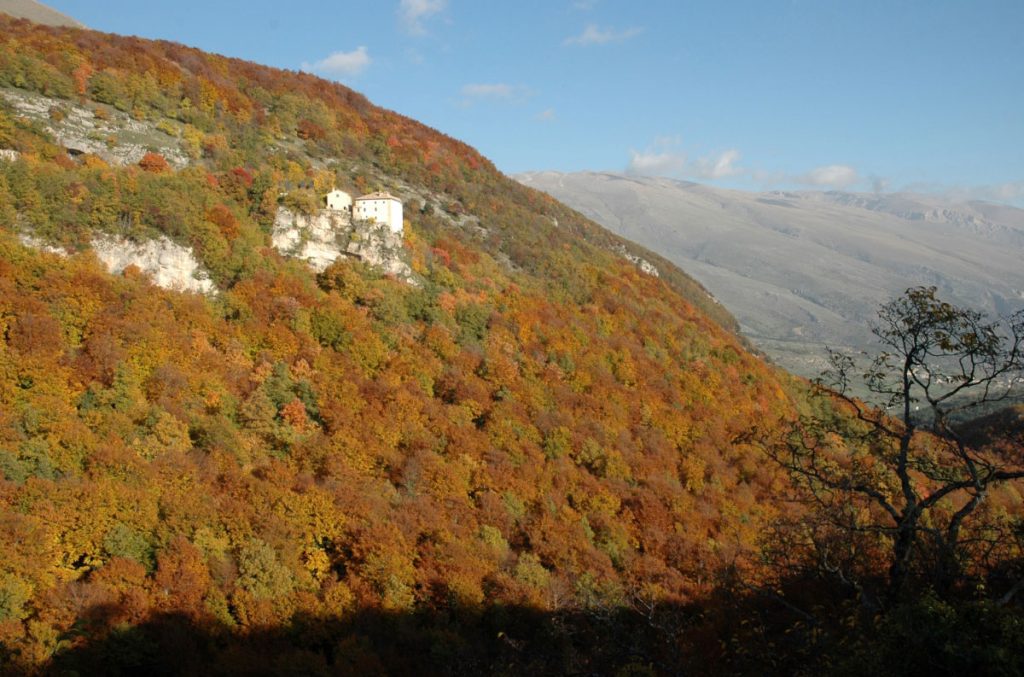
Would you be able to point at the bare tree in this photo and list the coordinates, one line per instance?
(911, 482)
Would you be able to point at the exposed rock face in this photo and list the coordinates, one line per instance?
(170, 265)
(318, 240)
(119, 140)
(9, 155)
(35, 243)
(643, 264)
(322, 238)
(381, 248)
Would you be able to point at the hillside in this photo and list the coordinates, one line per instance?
(37, 12)
(534, 431)
(802, 270)
(240, 434)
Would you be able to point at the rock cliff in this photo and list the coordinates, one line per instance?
(320, 239)
(170, 265)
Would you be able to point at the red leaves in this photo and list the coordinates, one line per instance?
(242, 175)
(154, 163)
(222, 217)
(35, 332)
(81, 76)
(308, 130)
(442, 255)
(294, 414)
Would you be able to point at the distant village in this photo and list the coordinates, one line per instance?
(379, 207)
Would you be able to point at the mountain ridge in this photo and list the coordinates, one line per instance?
(38, 12)
(801, 269)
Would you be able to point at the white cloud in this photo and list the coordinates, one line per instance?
(717, 167)
(412, 13)
(656, 163)
(547, 115)
(593, 35)
(489, 91)
(494, 91)
(831, 176)
(664, 158)
(341, 63)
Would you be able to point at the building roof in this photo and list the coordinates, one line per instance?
(379, 195)
(337, 190)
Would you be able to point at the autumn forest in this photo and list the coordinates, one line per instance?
(534, 458)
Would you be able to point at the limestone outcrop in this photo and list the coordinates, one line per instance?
(116, 136)
(167, 263)
(170, 265)
(322, 238)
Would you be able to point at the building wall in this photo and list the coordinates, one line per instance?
(381, 211)
(339, 200)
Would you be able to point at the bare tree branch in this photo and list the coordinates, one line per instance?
(923, 480)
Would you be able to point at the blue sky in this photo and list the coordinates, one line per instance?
(924, 95)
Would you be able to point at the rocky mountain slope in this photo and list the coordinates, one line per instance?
(804, 269)
(37, 12)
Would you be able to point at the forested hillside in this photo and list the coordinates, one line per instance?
(535, 457)
(538, 423)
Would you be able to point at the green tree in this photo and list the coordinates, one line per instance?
(261, 573)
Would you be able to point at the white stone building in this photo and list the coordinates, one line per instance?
(339, 200)
(379, 207)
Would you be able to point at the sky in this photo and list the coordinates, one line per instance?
(862, 95)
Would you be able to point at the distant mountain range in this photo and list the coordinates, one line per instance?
(801, 270)
(37, 12)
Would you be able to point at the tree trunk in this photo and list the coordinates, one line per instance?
(901, 556)
(948, 569)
